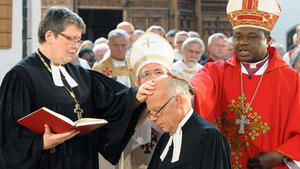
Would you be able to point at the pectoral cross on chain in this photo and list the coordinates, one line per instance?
(242, 123)
(78, 110)
(148, 43)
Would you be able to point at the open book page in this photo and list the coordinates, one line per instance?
(89, 121)
(86, 125)
(64, 118)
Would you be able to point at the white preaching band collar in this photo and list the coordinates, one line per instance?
(177, 140)
(56, 76)
(253, 65)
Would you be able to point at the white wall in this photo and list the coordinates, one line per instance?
(9, 57)
(34, 18)
(289, 18)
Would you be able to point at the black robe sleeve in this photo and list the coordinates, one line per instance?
(118, 108)
(214, 151)
(19, 147)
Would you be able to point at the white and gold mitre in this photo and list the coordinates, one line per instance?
(150, 48)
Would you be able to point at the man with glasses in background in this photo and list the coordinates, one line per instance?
(189, 140)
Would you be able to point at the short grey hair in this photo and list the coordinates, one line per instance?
(118, 33)
(182, 33)
(194, 34)
(100, 46)
(138, 31)
(179, 84)
(230, 39)
(295, 57)
(57, 19)
(193, 40)
(156, 27)
(298, 29)
(216, 35)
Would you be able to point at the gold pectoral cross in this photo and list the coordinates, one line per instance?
(78, 110)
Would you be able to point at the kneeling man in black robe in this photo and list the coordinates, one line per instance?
(189, 141)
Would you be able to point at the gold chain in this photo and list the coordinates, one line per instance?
(78, 110)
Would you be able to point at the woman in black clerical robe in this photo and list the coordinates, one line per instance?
(32, 84)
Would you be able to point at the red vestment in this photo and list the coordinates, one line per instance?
(274, 115)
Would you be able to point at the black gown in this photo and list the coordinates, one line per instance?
(203, 147)
(28, 86)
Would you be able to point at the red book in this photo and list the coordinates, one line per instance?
(58, 123)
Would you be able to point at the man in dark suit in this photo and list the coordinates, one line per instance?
(189, 141)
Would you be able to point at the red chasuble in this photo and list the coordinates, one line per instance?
(274, 115)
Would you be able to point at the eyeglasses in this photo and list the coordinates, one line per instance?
(72, 40)
(162, 107)
(148, 74)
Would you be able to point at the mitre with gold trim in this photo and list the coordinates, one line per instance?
(150, 48)
(253, 13)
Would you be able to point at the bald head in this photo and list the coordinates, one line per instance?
(129, 28)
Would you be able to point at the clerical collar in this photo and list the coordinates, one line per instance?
(56, 73)
(185, 119)
(176, 138)
(56, 76)
(257, 68)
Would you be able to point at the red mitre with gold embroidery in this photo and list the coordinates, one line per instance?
(261, 14)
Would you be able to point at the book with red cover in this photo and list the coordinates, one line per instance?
(58, 123)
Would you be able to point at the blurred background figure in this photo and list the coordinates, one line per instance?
(180, 37)
(100, 50)
(217, 48)
(157, 29)
(129, 28)
(85, 44)
(295, 41)
(80, 61)
(136, 34)
(280, 49)
(287, 56)
(229, 48)
(295, 60)
(101, 40)
(192, 49)
(170, 36)
(88, 55)
(194, 34)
